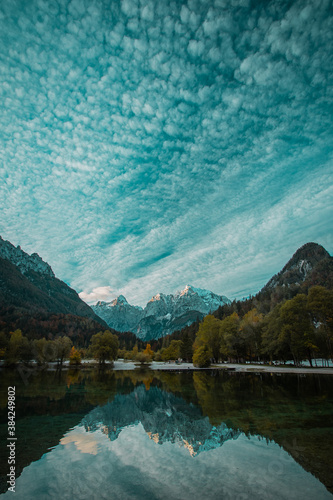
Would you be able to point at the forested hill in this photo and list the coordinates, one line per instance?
(311, 265)
(34, 300)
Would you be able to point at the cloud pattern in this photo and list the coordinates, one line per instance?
(146, 144)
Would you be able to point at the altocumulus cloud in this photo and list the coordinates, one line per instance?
(149, 144)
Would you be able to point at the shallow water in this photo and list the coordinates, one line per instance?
(158, 435)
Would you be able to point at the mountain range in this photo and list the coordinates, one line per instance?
(310, 265)
(30, 295)
(33, 299)
(162, 315)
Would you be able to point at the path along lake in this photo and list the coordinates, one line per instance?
(122, 435)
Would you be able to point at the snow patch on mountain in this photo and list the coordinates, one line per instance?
(304, 267)
(163, 314)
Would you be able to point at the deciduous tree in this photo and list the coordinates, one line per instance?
(230, 337)
(209, 334)
(63, 348)
(297, 329)
(201, 357)
(104, 346)
(75, 357)
(172, 352)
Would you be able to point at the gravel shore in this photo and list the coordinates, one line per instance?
(120, 364)
(129, 365)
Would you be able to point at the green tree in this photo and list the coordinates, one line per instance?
(230, 343)
(44, 350)
(272, 345)
(250, 329)
(297, 329)
(143, 358)
(201, 357)
(134, 352)
(172, 352)
(127, 355)
(104, 346)
(121, 353)
(209, 334)
(158, 356)
(63, 348)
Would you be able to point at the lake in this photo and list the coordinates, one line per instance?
(159, 435)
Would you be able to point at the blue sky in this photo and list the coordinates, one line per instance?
(145, 145)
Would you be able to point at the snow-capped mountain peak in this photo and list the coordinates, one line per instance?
(163, 313)
(119, 300)
(188, 289)
(210, 299)
(158, 296)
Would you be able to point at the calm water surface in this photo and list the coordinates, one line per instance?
(161, 435)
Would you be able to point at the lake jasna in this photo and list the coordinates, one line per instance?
(162, 435)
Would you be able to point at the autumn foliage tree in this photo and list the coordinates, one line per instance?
(148, 351)
(75, 357)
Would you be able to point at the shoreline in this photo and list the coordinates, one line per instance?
(232, 367)
(120, 365)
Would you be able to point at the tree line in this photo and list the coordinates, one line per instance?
(295, 329)
(16, 347)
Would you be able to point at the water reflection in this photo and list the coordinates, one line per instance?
(164, 417)
(155, 435)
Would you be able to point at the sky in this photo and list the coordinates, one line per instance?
(148, 145)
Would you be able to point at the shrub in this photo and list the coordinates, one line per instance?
(143, 358)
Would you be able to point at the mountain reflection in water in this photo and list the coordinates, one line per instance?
(156, 435)
(163, 416)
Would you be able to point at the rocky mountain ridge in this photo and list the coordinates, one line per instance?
(162, 315)
(22, 260)
(29, 287)
(305, 261)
